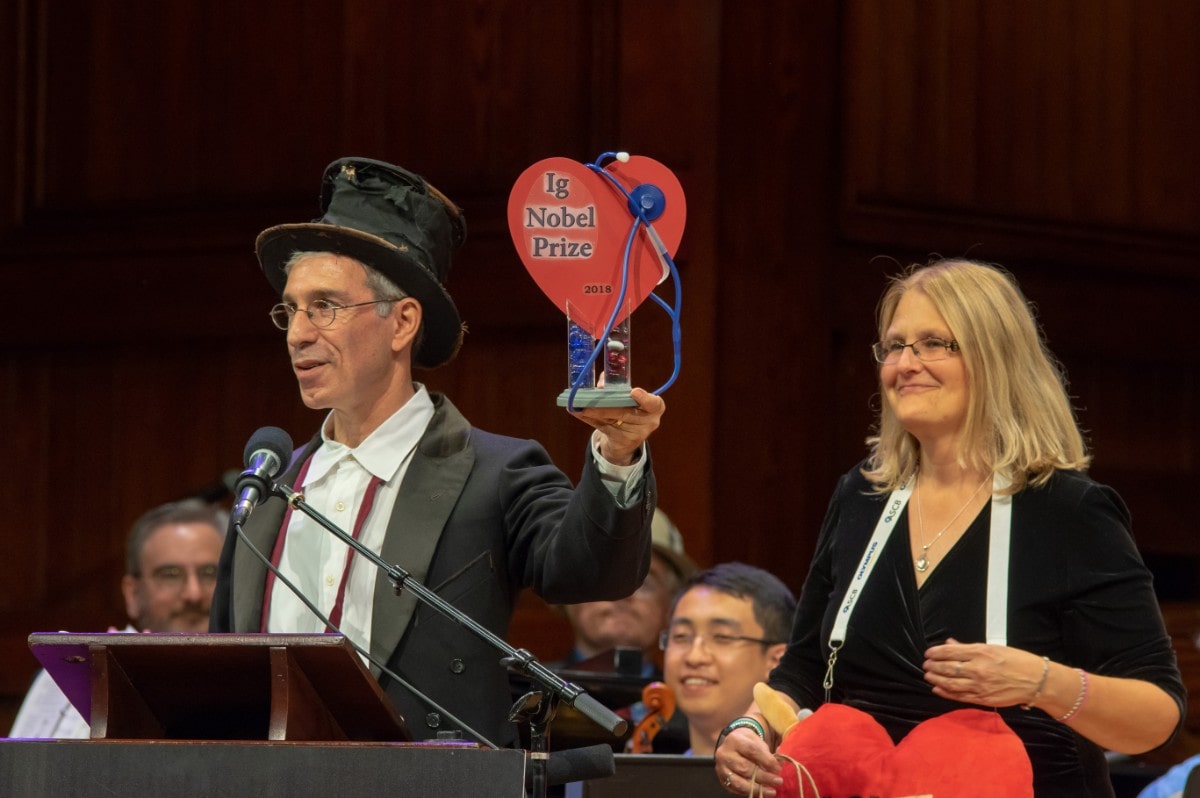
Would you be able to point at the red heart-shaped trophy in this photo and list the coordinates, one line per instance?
(571, 226)
(964, 752)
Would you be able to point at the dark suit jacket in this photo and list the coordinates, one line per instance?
(478, 517)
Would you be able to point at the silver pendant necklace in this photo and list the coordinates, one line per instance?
(922, 562)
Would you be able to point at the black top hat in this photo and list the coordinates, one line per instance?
(393, 221)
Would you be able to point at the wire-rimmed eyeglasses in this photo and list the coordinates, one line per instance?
(686, 638)
(925, 349)
(320, 312)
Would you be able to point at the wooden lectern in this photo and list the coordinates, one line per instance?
(133, 686)
(235, 714)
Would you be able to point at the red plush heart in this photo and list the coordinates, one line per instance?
(965, 752)
(570, 227)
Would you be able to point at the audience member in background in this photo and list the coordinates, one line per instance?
(636, 620)
(170, 571)
(727, 629)
(1172, 783)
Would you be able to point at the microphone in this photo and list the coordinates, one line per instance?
(267, 452)
(580, 764)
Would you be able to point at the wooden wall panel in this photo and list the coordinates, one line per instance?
(1052, 138)
(1063, 125)
(667, 98)
(821, 145)
(153, 142)
(1137, 403)
(14, 63)
(775, 364)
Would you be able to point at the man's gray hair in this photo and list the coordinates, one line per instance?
(188, 511)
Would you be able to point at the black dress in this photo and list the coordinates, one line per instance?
(1078, 593)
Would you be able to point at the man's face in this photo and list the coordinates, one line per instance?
(710, 671)
(174, 590)
(633, 622)
(348, 366)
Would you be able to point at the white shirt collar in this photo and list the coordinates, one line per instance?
(388, 445)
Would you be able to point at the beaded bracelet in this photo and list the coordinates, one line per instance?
(1041, 683)
(1074, 710)
(742, 723)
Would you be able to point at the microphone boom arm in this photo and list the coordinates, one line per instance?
(560, 689)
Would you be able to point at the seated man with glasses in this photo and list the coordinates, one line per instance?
(728, 628)
(637, 620)
(170, 572)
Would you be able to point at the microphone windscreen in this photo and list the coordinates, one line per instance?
(274, 440)
(580, 764)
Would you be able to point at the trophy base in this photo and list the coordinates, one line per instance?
(597, 397)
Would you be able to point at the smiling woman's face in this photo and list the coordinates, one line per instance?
(929, 398)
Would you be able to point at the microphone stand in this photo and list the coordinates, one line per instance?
(537, 707)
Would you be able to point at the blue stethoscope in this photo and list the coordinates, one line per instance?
(646, 203)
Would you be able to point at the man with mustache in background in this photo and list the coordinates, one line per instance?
(170, 572)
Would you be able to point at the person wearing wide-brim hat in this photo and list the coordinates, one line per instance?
(636, 620)
(393, 221)
(472, 515)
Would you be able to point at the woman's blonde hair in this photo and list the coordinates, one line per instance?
(1019, 420)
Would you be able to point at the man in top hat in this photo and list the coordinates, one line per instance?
(472, 515)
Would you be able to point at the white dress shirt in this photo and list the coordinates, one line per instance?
(336, 482)
(47, 713)
(335, 485)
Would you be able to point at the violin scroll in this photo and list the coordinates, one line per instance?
(660, 706)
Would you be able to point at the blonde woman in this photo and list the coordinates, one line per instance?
(974, 497)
